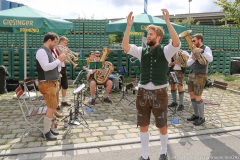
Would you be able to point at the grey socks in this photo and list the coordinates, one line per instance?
(200, 106)
(195, 108)
(181, 95)
(174, 95)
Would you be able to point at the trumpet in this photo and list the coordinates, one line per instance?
(70, 53)
(74, 55)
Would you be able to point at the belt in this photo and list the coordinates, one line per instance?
(160, 89)
(47, 81)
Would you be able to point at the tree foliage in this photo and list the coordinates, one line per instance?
(186, 21)
(232, 10)
(115, 38)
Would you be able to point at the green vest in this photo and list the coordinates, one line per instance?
(154, 66)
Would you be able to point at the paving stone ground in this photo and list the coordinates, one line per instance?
(107, 123)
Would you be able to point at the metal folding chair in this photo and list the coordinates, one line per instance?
(213, 103)
(32, 91)
(32, 114)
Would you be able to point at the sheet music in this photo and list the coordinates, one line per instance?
(79, 88)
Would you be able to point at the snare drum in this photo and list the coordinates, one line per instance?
(117, 82)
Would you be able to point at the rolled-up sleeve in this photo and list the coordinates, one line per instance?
(208, 54)
(43, 60)
(190, 60)
(135, 51)
(170, 51)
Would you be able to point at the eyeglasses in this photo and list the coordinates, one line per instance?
(193, 40)
(97, 56)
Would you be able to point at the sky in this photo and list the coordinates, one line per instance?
(110, 9)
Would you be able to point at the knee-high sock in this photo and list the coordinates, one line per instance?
(195, 108)
(181, 95)
(174, 95)
(200, 106)
(47, 122)
(164, 142)
(144, 136)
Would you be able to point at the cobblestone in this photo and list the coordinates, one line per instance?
(107, 123)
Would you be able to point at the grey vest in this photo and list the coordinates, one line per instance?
(154, 66)
(47, 75)
(197, 68)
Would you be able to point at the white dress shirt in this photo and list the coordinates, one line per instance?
(207, 54)
(43, 60)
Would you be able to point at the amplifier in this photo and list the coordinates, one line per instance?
(235, 67)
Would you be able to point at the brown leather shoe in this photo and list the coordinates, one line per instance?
(92, 102)
(108, 100)
(58, 115)
(65, 104)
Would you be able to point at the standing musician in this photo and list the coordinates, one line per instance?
(197, 78)
(55, 54)
(108, 84)
(152, 93)
(175, 67)
(48, 76)
(64, 80)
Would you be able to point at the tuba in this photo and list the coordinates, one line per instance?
(186, 35)
(181, 58)
(102, 76)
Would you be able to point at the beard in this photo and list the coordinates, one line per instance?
(151, 42)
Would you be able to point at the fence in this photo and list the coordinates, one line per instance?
(90, 35)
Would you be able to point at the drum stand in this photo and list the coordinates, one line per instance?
(123, 94)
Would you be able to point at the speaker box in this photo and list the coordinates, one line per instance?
(235, 67)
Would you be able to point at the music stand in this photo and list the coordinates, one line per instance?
(76, 115)
(82, 62)
(175, 80)
(80, 77)
(136, 72)
(96, 65)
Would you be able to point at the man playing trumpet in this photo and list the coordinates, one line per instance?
(178, 68)
(63, 41)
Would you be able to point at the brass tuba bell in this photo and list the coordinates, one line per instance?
(186, 35)
(102, 77)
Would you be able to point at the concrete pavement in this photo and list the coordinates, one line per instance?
(110, 125)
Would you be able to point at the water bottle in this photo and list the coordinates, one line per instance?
(65, 123)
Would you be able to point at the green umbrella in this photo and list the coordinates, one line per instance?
(140, 23)
(25, 19)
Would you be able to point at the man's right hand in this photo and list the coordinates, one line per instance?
(62, 57)
(130, 19)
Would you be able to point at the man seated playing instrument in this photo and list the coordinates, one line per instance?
(108, 84)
